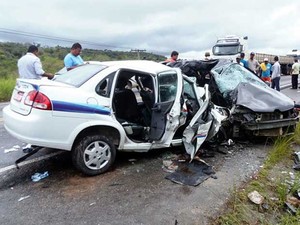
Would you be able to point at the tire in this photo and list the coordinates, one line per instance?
(93, 155)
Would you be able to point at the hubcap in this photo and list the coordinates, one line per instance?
(97, 155)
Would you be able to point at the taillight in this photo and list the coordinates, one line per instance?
(38, 100)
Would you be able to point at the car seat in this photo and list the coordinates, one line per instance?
(127, 111)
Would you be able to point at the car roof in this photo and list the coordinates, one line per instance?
(141, 65)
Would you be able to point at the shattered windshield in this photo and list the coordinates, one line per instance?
(229, 76)
(226, 50)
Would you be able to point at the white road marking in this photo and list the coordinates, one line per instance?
(7, 168)
(1, 120)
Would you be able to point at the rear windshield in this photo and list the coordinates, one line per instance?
(79, 75)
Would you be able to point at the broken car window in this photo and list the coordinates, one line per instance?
(167, 86)
(229, 78)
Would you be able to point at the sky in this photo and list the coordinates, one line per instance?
(189, 27)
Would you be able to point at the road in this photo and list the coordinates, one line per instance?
(134, 192)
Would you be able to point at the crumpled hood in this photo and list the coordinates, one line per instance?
(261, 99)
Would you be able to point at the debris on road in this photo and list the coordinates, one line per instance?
(39, 176)
(255, 197)
(296, 161)
(27, 149)
(13, 149)
(191, 174)
(22, 198)
(169, 166)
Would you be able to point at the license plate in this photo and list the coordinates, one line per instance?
(18, 96)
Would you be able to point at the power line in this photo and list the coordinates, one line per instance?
(69, 40)
(138, 52)
(55, 38)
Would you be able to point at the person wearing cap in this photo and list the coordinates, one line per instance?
(253, 64)
(238, 60)
(276, 72)
(266, 70)
(174, 57)
(295, 73)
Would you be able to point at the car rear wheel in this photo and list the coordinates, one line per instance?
(94, 155)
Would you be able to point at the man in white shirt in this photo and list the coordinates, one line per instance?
(30, 66)
(253, 64)
(276, 71)
(295, 73)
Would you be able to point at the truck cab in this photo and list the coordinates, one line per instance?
(230, 47)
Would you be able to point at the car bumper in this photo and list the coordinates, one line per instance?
(273, 127)
(37, 130)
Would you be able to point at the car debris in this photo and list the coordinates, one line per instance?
(191, 173)
(13, 149)
(296, 165)
(256, 197)
(39, 176)
(169, 166)
(23, 198)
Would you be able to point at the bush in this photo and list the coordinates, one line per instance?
(6, 88)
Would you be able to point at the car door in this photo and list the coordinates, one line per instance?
(167, 108)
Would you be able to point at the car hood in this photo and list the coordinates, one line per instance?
(261, 99)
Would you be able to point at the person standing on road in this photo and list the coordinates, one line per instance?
(266, 70)
(295, 73)
(243, 60)
(276, 71)
(174, 57)
(73, 59)
(30, 66)
(207, 56)
(253, 64)
(238, 60)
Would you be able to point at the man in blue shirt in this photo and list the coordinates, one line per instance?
(243, 60)
(73, 58)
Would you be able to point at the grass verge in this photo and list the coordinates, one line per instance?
(6, 88)
(275, 182)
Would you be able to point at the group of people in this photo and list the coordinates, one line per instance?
(30, 66)
(268, 73)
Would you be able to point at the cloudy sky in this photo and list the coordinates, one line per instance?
(190, 27)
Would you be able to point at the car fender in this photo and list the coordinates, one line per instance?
(90, 124)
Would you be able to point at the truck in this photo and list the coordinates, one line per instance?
(231, 46)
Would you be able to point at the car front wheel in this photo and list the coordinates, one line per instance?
(94, 155)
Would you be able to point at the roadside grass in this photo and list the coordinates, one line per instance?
(271, 183)
(6, 88)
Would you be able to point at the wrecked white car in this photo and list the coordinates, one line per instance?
(255, 108)
(101, 107)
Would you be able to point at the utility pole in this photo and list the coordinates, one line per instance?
(138, 52)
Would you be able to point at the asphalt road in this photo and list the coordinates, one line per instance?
(133, 192)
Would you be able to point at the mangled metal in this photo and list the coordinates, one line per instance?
(254, 108)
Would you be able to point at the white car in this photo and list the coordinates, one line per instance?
(101, 107)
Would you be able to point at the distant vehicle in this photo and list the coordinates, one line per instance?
(230, 46)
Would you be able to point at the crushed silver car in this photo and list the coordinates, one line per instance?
(255, 108)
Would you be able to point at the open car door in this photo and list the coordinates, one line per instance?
(167, 108)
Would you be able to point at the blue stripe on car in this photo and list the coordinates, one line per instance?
(79, 108)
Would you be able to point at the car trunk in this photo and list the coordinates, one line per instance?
(24, 87)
